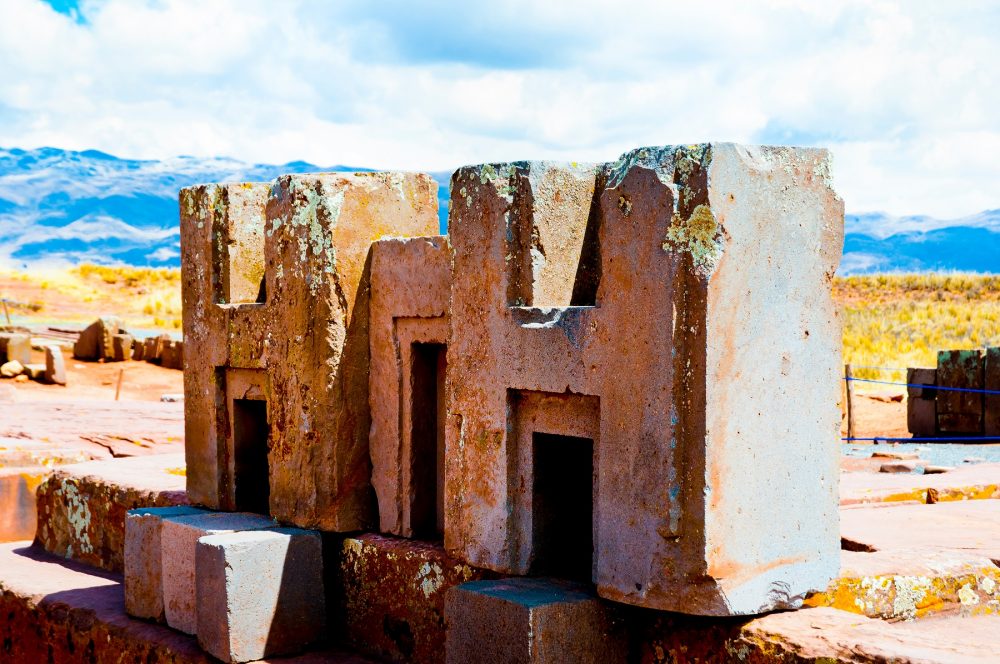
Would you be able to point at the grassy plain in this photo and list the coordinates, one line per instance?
(889, 320)
(902, 320)
(146, 298)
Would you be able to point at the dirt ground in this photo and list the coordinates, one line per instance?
(141, 381)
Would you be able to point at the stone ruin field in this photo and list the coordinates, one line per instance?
(597, 422)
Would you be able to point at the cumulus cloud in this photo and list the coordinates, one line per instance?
(904, 91)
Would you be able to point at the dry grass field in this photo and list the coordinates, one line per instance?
(889, 320)
(146, 298)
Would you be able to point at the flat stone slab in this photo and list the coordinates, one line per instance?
(61, 611)
(825, 634)
(968, 527)
(973, 482)
(902, 585)
(81, 507)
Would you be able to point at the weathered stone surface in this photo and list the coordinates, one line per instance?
(172, 356)
(138, 350)
(981, 481)
(179, 536)
(708, 368)
(59, 611)
(11, 369)
(153, 351)
(17, 501)
(410, 290)
(121, 345)
(259, 593)
(82, 507)
(907, 466)
(903, 585)
(531, 621)
(299, 343)
(921, 409)
(937, 470)
(968, 527)
(960, 412)
(390, 594)
(15, 346)
(991, 402)
(143, 559)
(34, 371)
(55, 365)
(96, 340)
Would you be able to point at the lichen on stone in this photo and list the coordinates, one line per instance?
(700, 235)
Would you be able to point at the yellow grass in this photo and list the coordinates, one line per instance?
(903, 320)
(144, 297)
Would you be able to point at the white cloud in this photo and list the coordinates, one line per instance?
(905, 92)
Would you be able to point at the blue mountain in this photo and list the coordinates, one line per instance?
(64, 206)
(59, 205)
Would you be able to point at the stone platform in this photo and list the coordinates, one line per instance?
(81, 507)
(62, 611)
(913, 591)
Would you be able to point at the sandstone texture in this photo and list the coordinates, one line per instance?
(143, 559)
(121, 345)
(531, 620)
(973, 482)
(60, 611)
(275, 282)
(410, 292)
(672, 312)
(991, 402)
(96, 341)
(259, 593)
(82, 507)
(960, 413)
(921, 408)
(55, 365)
(389, 595)
(15, 346)
(11, 369)
(179, 536)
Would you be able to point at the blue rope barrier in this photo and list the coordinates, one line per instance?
(922, 440)
(930, 387)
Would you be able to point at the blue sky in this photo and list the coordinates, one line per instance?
(904, 92)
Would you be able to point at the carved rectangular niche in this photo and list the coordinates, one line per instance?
(553, 446)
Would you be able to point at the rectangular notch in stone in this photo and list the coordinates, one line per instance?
(554, 248)
(562, 506)
(238, 255)
(427, 440)
(250, 434)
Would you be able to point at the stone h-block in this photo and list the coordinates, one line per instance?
(960, 412)
(179, 538)
(643, 375)
(96, 340)
(531, 621)
(275, 282)
(921, 408)
(260, 593)
(408, 332)
(15, 346)
(143, 559)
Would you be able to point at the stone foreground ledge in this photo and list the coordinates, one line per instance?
(62, 611)
(81, 508)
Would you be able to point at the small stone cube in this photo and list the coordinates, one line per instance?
(178, 541)
(259, 593)
(530, 620)
(55, 365)
(143, 565)
(122, 347)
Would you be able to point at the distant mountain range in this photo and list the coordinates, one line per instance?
(64, 206)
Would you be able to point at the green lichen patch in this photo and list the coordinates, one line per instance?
(700, 235)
